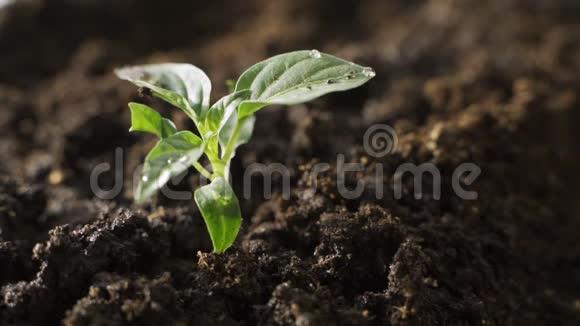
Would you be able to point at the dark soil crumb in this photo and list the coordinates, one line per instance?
(495, 83)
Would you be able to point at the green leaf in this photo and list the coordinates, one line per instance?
(298, 77)
(220, 112)
(144, 118)
(183, 85)
(243, 127)
(170, 157)
(220, 209)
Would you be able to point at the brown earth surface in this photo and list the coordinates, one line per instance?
(495, 83)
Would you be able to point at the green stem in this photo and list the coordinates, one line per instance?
(219, 168)
(229, 151)
(232, 143)
(202, 170)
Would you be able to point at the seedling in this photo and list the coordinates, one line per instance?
(290, 78)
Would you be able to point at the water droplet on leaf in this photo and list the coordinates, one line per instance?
(315, 54)
(368, 72)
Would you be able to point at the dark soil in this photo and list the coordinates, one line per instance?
(490, 82)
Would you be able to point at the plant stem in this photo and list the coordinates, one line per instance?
(219, 168)
(202, 170)
(232, 143)
(224, 163)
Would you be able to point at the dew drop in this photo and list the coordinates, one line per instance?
(145, 178)
(368, 72)
(169, 161)
(315, 54)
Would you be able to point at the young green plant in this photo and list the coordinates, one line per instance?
(287, 79)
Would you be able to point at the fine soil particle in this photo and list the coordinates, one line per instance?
(493, 83)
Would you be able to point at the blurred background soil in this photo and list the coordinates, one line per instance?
(490, 82)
